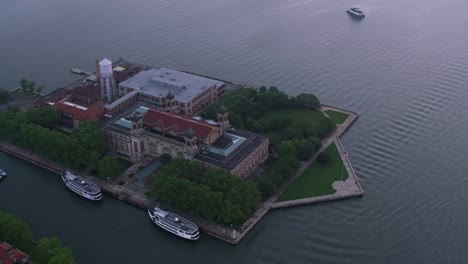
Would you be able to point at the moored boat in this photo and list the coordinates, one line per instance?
(77, 71)
(356, 12)
(3, 174)
(175, 224)
(82, 186)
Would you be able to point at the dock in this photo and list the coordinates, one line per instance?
(80, 71)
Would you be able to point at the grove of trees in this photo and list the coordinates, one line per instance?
(29, 87)
(32, 130)
(47, 251)
(4, 96)
(214, 194)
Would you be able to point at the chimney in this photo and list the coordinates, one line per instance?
(11, 248)
(98, 72)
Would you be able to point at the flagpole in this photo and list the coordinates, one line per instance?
(342, 165)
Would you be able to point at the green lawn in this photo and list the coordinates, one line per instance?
(317, 179)
(337, 117)
(311, 118)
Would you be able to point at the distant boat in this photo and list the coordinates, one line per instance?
(356, 12)
(78, 71)
(3, 174)
(82, 186)
(174, 223)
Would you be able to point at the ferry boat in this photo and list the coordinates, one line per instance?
(174, 223)
(3, 174)
(356, 12)
(82, 186)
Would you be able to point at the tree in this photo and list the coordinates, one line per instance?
(91, 137)
(44, 116)
(27, 87)
(236, 121)
(46, 249)
(110, 167)
(308, 99)
(24, 83)
(65, 257)
(39, 89)
(5, 96)
(15, 231)
(287, 149)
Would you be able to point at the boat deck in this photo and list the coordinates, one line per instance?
(83, 183)
(176, 221)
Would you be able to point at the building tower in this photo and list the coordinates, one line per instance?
(136, 132)
(171, 104)
(106, 77)
(223, 120)
(190, 141)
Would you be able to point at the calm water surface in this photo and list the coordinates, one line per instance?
(404, 69)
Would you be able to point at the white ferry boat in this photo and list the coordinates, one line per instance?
(3, 174)
(356, 12)
(82, 186)
(174, 223)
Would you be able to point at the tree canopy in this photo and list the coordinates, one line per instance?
(110, 167)
(5, 96)
(15, 231)
(215, 194)
(29, 87)
(31, 130)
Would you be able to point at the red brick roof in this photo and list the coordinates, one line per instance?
(94, 112)
(13, 256)
(89, 91)
(168, 122)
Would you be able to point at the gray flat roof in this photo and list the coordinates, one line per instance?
(237, 145)
(159, 82)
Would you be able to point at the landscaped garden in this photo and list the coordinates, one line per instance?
(318, 178)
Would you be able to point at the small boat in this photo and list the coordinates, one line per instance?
(77, 71)
(82, 186)
(356, 12)
(174, 223)
(3, 173)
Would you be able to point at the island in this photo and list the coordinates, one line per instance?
(217, 153)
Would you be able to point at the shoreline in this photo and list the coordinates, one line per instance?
(227, 234)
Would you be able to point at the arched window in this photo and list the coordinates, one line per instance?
(152, 148)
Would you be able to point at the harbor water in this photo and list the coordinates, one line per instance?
(404, 69)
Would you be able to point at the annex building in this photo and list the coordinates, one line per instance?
(188, 94)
